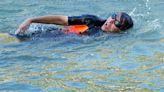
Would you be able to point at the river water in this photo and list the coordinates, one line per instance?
(129, 62)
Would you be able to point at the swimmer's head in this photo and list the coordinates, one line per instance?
(118, 22)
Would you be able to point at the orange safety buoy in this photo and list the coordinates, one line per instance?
(77, 28)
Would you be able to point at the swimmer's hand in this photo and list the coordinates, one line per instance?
(23, 27)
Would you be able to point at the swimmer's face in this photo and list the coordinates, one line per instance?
(110, 24)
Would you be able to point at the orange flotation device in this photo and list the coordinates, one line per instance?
(77, 28)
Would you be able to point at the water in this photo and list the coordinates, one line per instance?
(132, 62)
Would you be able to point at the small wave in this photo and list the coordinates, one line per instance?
(152, 30)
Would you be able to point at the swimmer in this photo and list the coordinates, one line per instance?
(116, 23)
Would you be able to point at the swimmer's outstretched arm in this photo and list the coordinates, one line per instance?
(50, 19)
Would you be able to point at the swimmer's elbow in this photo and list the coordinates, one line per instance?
(63, 20)
(54, 19)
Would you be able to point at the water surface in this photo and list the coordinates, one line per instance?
(130, 62)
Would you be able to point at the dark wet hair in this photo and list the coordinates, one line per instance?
(126, 21)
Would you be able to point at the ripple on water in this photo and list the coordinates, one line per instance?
(157, 67)
(75, 84)
(34, 78)
(14, 86)
(88, 57)
(116, 78)
(59, 76)
(150, 87)
(125, 65)
(52, 89)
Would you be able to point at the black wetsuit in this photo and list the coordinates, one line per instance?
(91, 21)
